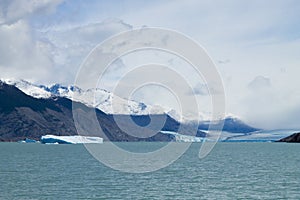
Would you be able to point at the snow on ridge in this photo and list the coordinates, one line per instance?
(28, 88)
(94, 97)
(104, 100)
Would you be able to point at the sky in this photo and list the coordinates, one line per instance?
(255, 46)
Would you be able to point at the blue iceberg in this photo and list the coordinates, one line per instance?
(27, 140)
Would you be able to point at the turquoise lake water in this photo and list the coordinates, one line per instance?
(230, 171)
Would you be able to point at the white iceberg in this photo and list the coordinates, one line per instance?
(54, 139)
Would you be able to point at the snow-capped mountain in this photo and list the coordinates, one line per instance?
(112, 104)
(95, 97)
(29, 88)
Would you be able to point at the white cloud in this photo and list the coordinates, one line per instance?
(72, 45)
(21, 56)
(267, 109)
(200, 89)
(259, 83)
(47, 56)
(14, 10)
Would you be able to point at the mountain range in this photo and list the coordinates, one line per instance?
(29, 111)
(94, 97)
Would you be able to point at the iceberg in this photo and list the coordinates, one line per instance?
(27, 140)
(54, 139)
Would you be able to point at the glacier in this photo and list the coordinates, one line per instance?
(54, 139)
(185, 138)
(257, 136)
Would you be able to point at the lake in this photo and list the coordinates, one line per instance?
(230, 171)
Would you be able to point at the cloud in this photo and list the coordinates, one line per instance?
(216, 19)
(14, 10)
(203, 89)
(72, 45)
(224, 61)
(53, 55)
(200, 89)
(46, 41)
(270, 104)
(259, 82)
(21, 56)
(270, 111)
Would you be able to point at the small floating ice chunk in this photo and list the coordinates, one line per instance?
(27, 140)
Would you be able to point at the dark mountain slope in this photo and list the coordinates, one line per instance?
(294, 138)
(22, 116)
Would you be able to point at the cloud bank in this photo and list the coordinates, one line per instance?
(255, 45)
